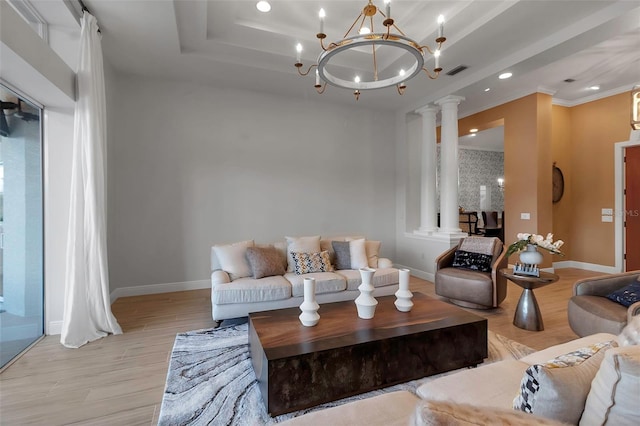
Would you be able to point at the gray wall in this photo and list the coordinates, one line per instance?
(192, 165)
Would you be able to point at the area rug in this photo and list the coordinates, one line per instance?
(211, 380)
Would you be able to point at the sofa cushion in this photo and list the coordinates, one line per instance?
(232, 258)
(381, 278)
(358, 254)
(630, 334)
(558, 388)
(626, 296)
(614, 395)
(265, 262)
(473, 261)
(306, 263)
(438, 413)
(373, 252)
(249, 290)
(544, 355)
(342, 254)
(301, 245)
(326, 282)
(491, 385)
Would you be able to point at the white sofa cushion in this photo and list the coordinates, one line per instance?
(301, 245)
(551, 352)
(382, 278)
(358, 254)
(249, 290)
(326, 282)
(438, 413)
(558, 388)
(373, 252)
(614, 398)
(491, 385)
(232, 259)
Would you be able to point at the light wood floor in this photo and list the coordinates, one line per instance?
(119, 380)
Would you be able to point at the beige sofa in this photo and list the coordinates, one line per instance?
(603, 389)
(235, 292)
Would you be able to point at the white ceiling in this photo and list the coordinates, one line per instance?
(233, 45)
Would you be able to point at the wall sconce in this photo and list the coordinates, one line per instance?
(501, 184)
(635, 108)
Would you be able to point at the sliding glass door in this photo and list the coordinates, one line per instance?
(21, 226)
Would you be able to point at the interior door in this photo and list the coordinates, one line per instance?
(632, 208)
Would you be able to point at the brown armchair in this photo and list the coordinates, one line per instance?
(590, 311)
(468, 288)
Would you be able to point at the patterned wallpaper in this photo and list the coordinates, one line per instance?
(478, 168)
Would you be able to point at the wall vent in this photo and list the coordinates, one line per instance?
(457, 69)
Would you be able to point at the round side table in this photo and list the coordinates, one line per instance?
(528, 316)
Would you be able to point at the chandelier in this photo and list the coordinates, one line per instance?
(361, 37)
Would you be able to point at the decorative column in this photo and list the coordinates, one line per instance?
(428, 195)
(449, 216)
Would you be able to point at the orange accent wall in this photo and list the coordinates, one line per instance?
(580, 140)
(527, 164)
(595, 128)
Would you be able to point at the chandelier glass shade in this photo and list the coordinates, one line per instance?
(361, 38)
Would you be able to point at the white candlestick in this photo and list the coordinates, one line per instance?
(321, 14)
(317, 78)
(437, 56)
(441, 26)
(388, 5)
(298, 52)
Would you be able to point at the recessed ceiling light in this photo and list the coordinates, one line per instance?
(594, 88)
(505, 75)
(263, 6)
(487, 89)
(474, 130)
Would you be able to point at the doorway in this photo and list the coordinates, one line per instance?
(21, 225)
(632, 208)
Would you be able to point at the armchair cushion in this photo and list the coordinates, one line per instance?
(474, 261)
(482, 245)
(626, 296)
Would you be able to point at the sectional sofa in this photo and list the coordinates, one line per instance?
(248, 277)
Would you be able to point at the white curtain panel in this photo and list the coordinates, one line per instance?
(87, 307)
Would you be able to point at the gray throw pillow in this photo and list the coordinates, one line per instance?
(265, 262)
(343, 254)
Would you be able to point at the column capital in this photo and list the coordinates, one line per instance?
(451, 99)
(427, 109)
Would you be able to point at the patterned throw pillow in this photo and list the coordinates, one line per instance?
(265, 262)
(306, 263)
(558, 389)
(474, 261)
(343, 256)
(626, 296)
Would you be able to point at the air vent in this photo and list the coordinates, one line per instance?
(569, 80)
(457, 69)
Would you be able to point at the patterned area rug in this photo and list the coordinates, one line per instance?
(211, 380)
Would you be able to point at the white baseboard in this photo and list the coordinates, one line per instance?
(142, 290)
(586, 266)
(53, 328)
(418, 273)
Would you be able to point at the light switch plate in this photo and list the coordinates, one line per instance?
(525, 216)
(607, 218)
(608, 212)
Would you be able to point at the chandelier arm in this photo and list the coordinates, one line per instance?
(434, 75)
(331, 45)
(428, 49)
(320, 89)
(308, 70)
(352, 25)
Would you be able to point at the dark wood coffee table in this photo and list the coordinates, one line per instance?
(299, 367)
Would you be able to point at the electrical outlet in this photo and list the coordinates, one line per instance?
(525, 216)
(607, 218)
(607, 212)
